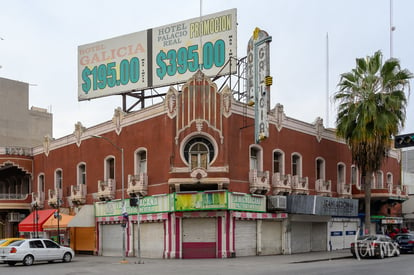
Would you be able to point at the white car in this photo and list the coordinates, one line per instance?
(29, 251)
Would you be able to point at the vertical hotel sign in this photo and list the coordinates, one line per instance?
(158, 57)
(259, 81)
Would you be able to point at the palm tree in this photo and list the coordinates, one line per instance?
(372, 109)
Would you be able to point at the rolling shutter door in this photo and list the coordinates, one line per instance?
(151, 240)
(318, 236)
(271, 237)
(112, 240)
(199, 238)
(246, 236)
(301, 237)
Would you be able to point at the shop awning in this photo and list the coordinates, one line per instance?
(52, 222)
(84, 218)
(29, 224)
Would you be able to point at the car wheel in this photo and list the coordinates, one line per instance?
(28, 260)
(67, 257)
(11, 263)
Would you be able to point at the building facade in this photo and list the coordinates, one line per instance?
(21, 129)
(205, 188)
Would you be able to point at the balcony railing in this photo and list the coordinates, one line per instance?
(78, 194)
(55, 197)
(300, 185)
(138, 185)
(9, 196)
(281, 184)
(106, 190)
(344, 190)
(323, 187)
(38, 199)
(259, 182)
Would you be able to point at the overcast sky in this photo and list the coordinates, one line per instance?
(39, 41)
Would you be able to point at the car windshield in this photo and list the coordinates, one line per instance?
(16, 243)
(2, 241)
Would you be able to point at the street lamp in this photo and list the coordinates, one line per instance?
(135, 201)
(122, 187)
(35, 207)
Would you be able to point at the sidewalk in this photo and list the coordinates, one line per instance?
(279, 259)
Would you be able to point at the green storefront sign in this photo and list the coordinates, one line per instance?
(185, 201)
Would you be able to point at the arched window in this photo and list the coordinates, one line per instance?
(58, 179)
(320, 169)
(199, 152)
(256, 159)
(81, 174)
(41, 183)
(109, 168)
(296, 165)
(380, 179)
(140, 161)
(355, 176)
(279, 162)
(341, 174)
(389, 179)
(59, 182)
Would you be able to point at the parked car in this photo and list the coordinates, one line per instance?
(7, 241)
(376, 245)
(405, 241)
(29, 251)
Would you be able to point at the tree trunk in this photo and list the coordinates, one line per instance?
(367, 188)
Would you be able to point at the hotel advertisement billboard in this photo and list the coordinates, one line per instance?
(158, 57)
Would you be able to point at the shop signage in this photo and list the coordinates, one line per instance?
(392, 221)
(247, 202)
(324, 206)
(158, 57)
(200, 201)
(185, 201)
(148, 205)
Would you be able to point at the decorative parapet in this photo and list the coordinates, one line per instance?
(15, 150)
(259, 182)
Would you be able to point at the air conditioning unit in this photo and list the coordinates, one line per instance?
(14, 217)
(276, 203)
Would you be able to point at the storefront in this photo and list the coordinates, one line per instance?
(342, 232)
(321, 223)
(56, 228)
(32, 225)
(153, 220)
(82, 230)
(217, 224)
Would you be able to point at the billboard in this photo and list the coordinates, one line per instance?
(158, 57)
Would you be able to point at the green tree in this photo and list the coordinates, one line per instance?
(372, 109)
